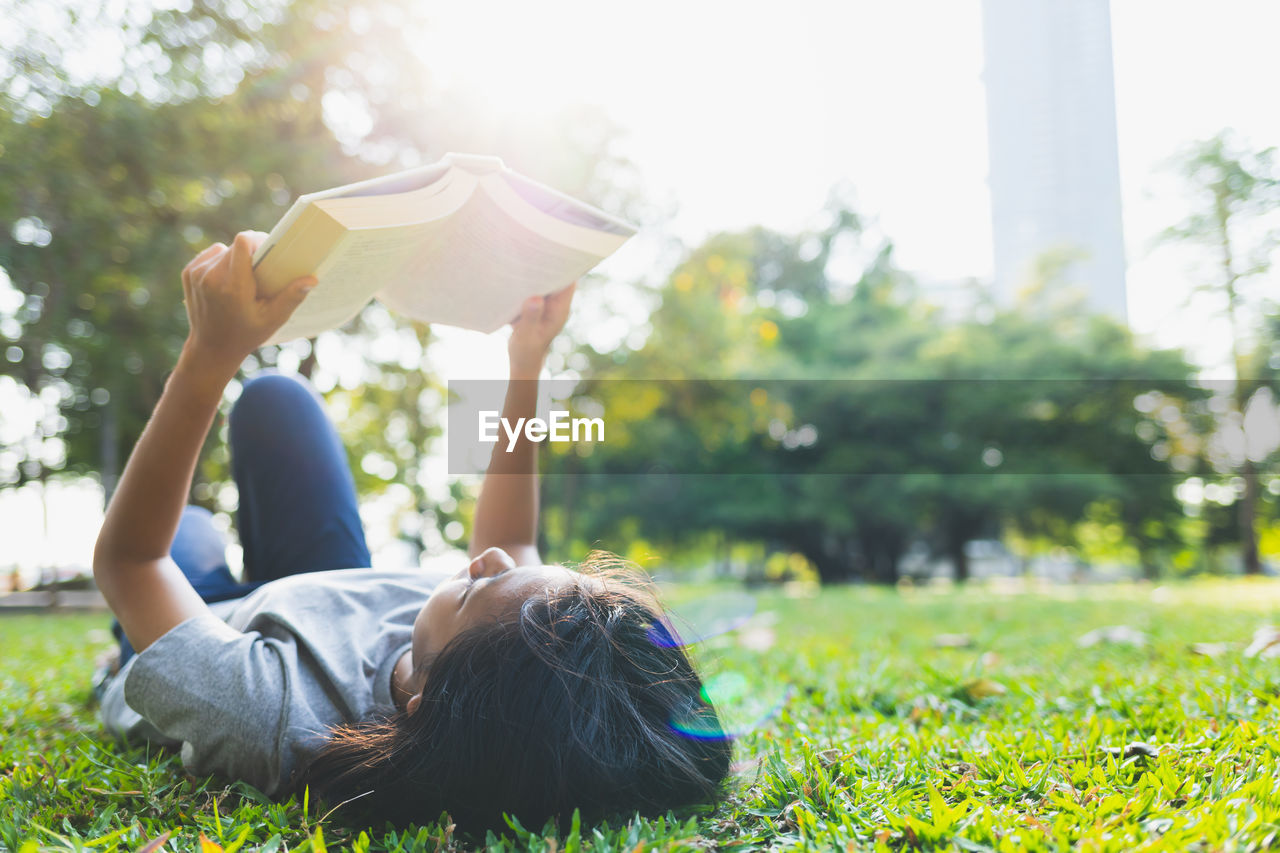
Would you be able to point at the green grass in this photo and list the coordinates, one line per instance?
(883, 741)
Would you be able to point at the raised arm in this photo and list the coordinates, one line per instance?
(507, 509)
(131, 563)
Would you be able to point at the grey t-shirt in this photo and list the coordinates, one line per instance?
(251, 691)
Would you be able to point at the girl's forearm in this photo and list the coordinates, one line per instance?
(507, 509)
(145, 588)
(147, 505)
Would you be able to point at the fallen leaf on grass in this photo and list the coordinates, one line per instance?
(800, 589)
(1209, 650)
(1063, 786)
(982, 688)
(829, 757)
(155, 844)
(786, 820)
(757, 639)
(1035, 823)
(1266, 643)
(1133, 750)
(1119, 635)
(952, 641)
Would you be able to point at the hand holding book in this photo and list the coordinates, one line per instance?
(227, 318)
(541, 319)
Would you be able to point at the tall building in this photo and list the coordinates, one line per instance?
(1051, 127)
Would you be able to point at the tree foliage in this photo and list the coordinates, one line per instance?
(851, 421)
(213, 119)
(1234, 222)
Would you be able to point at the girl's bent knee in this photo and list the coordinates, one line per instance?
(270, 396)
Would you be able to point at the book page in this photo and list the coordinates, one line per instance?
(434, 201)
(476, 164)
(360, 263)
(599, 243)
(478, 269)
(400, 182)
(371, 242)
(563, 207)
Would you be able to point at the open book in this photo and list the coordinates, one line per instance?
(461, 242)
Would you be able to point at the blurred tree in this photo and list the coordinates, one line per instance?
(707, 325)
(195, 121)
(1236, 194)
(1049, 404)
(853, 419)
(108, 202)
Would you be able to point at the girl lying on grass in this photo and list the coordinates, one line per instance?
(511, 686)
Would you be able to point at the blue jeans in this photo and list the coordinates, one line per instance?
(298, 510)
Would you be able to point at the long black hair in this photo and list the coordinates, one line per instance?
(582, 700)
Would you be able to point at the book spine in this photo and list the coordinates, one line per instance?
(293, 258)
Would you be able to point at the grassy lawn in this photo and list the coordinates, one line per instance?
(885, 737)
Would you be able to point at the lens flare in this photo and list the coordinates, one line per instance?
(704, 618)
(741, 707)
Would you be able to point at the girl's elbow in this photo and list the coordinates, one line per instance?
(108, 558)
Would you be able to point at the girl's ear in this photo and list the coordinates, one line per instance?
(414, 701)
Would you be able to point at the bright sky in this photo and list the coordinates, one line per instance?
(742, 113)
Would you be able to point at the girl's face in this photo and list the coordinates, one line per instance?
(491, 587)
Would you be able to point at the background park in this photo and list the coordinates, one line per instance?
(940, 385)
